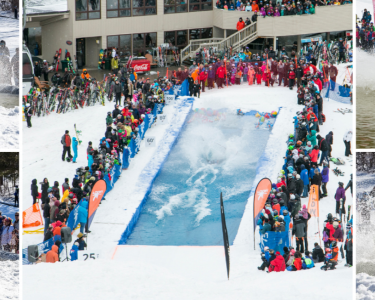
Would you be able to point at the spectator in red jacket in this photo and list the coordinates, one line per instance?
(220, 76)
(291, 76)
(278, 264)
(203, 77)
(66, 141)
(240, 24)
(318, 82)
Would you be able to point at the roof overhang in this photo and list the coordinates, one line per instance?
(47, 17)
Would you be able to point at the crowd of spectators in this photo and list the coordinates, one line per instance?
(9, 233)
(277, 8)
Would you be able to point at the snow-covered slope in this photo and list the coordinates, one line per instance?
(163, 272)
(9, 270)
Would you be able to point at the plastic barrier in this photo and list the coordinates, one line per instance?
(180, 90)
(334, 91)
(32, 217)
(275, 240)
(134, 144)
(152, 170)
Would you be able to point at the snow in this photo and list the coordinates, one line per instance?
(189, 272)
(9, 127)
(9, 31)
(365, 287)
(9, 279)
(45, 6)
(9, 275)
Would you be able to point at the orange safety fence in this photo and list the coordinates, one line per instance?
(32, 217)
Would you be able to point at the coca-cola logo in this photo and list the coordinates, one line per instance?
(143, 67)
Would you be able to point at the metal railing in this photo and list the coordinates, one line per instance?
(236, 40)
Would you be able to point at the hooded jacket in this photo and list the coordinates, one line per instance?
(82, 212)
(304, 175)
(53, 255)
(312, 138)
(34, 188)
(278, 264)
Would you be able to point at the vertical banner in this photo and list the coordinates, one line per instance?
(96, 196)
(262, 191)
(225, 234)
(313, 209)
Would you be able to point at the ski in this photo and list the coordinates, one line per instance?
(78, 133)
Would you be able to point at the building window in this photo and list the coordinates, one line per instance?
(33, 39)
(175, 6)
(202, 33)
(87, 9)
(143, 42)
(125, 43)
(128, 8)
(176, 38)
(122, 43)
(118, 8)
(200, 5)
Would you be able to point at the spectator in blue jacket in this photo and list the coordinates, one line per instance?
(325, 178)
(312, 171)
(266, 226)
(74, 252)
(83, 214)
(305, 178)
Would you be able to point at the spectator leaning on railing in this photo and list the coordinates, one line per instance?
(279, 7)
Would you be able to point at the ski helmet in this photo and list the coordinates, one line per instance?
(341, 184)
(290, 147)
(329, 216)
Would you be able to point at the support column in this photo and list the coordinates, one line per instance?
(225, 33)
(274, 43)
(298, 44)
(328, 37)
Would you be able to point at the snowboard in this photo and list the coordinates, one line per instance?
(78, 133)
(58, 60)
(349, 207)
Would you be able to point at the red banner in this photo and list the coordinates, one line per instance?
(96, 196)
(260, 196)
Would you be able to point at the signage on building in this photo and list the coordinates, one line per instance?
(349, 33)
(141, 65)
(69, 43)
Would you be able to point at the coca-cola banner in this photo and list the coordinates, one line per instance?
(141, 65)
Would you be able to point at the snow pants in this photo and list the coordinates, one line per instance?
(349, 257)
(291, 83)
(75, 152)
(299, 244)
(259, 78)
(324, 188)
(324, 156)
(203, 85)
(66, 150)
(305, 191)
(210, 83)
(28, 120)
(347, 148)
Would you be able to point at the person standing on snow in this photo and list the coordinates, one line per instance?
(28, 114)
(323, 146)
(325, 178)
(66, 141)
(34, 190)
(340, 194)
(347, 141)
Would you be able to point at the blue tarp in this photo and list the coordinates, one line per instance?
(180, 90)
(275, 240)
(337, 92)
